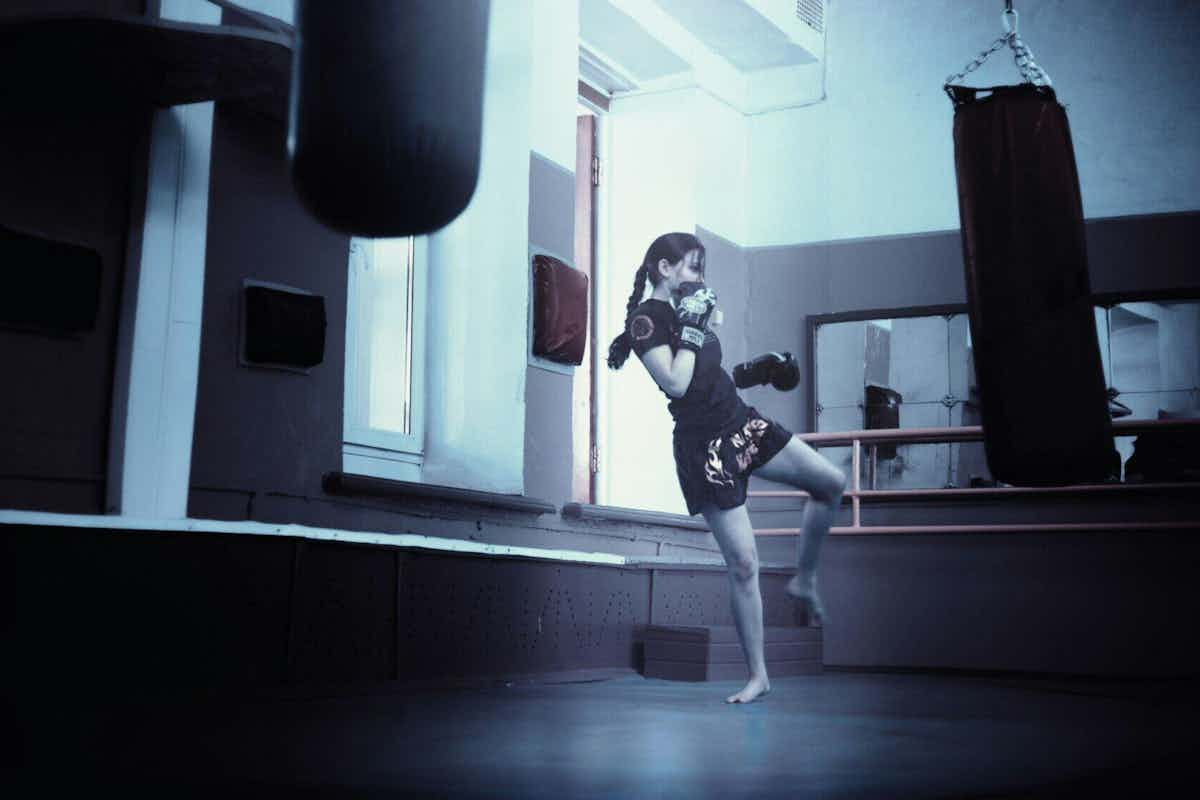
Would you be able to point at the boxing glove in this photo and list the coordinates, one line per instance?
(778, 369)
(694, 305)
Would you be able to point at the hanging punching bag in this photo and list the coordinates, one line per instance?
(386, 111)
(1037, 358)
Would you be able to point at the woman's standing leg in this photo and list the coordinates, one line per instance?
(731, 528)
(801, 466)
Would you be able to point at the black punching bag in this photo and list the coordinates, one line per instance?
(385, 112)
(1037, 358)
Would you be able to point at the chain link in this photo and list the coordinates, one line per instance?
(1022, 57)
(979, 59)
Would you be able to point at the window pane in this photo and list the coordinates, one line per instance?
(920, 359)
(1152, 350)
(1105, 348)
(385, 332)
(839, 418)
(1133, 346)
(914, 466)
(841, 366)
(968, 460)
(962, 364)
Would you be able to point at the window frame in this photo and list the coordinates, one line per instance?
(371, 451)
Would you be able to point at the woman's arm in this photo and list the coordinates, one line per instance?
(671, 372)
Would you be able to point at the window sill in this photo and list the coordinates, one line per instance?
(344, 483)
(615, 514)
(377, 462)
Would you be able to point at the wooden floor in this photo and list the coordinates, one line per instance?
(833, 735)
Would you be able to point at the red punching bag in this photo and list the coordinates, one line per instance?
(1037, 358)
(386, 112)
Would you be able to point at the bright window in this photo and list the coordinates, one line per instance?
(385, 331)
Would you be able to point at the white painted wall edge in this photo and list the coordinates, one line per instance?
(159, 400)
(122, 524)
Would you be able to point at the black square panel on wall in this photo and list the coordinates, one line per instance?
(281, 327)
(49, 286)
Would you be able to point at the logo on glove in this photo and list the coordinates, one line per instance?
(699, 301)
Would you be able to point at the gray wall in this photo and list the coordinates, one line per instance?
(548, 435)
(22, 8)
(261, 430)
(725, 263)
(67, 178)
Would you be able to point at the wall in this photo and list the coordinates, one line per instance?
(71, 173)
(876, 158)
(475, 373)
(21, 8)
(549, 440)
(262, 429)
(548, 388)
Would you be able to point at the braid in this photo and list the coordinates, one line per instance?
(618, 351)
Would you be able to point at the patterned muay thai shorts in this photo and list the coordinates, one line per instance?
(716, 470)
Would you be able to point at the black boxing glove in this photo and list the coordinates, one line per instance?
(778, 369)
(693, 306)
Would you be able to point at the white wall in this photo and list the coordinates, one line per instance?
(555, 73)
(479, 286)
(280, 9)
(876, 158)
(151, 456)
(721, 167)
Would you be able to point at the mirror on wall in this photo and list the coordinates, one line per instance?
(913, 368)
(1151, 356)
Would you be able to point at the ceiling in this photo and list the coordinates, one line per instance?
(732, 48)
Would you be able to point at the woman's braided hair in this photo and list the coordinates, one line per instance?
(672, 247)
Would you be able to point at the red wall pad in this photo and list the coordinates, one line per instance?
(560, 310)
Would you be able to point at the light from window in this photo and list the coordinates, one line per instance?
(380, 336)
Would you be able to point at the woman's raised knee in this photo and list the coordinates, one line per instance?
(837, 482)
(828, 485)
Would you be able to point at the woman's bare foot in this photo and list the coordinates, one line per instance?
(757, 687)
(804, 589)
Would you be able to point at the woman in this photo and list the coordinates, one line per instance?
(719, 440)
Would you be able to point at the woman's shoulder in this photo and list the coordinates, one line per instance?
(650, 325)
(654, 308)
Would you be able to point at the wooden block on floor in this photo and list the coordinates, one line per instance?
(730, 652)
(723, 634)
(713, 652)
(700, 671)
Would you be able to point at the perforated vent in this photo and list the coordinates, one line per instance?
(812, 14)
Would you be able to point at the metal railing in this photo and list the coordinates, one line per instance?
(857, 495)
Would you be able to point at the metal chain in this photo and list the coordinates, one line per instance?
(1022, 57)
